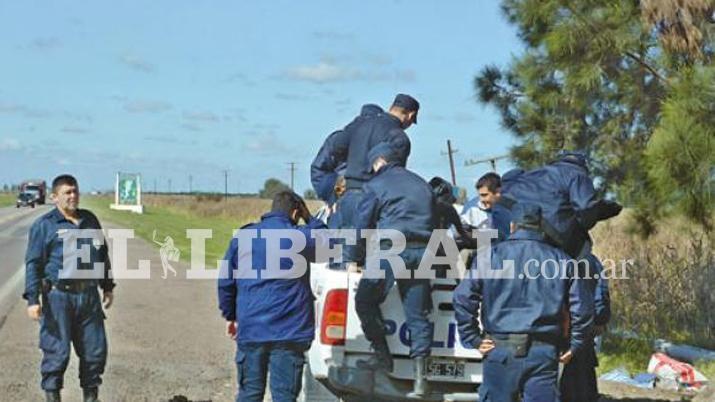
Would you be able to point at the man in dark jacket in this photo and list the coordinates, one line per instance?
(351, 146)
(564, 191)
(578, 380)
(272, 320)
(69, 309)
(397, 199)
(522, 313)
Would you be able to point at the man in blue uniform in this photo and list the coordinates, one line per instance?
(352, 144)
(522, 313)
(569, 203)
(578, 380)
(69, 310)
(272, 320)
(396, 198)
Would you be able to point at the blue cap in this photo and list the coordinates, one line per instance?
(408, 103)
(383, 150)
(528, 215)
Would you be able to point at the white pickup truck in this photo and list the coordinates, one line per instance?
(453, 371)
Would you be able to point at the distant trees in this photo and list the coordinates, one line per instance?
(271, 187)
(630, 83)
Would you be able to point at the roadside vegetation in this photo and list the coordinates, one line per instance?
(7, 199)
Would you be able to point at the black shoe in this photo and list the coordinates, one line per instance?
(53, 396)
(90, 394)
(421, 387)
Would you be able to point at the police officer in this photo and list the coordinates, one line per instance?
(565, 192)
(69, 310)
(522, 313)
(578, 380)
(353, 144)
(331, 160)
(272, 320)
(396, 198)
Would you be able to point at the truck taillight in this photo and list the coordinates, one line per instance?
(335, 311)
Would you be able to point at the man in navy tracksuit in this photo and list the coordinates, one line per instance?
(578, 380)
(69, 309)
(569, 203)
(398, 199)
(352, 145)
(272, 320)
(522, 313)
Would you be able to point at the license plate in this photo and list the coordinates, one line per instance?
(445, 369)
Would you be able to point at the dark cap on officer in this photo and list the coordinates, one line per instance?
(527, 216)
(383, 150)
(408, 103)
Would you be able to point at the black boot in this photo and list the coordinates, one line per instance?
(53, 396)
(421, 387)
(90, 394)
(381, 360)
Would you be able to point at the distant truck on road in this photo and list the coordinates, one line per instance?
(37, 187)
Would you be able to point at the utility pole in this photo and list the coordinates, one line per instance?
(449, 153)
(292, 174)
(225, 184)
(191, 178)
(154, 186)
(492, 160)
(169, 186)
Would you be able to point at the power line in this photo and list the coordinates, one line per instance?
(492, 160)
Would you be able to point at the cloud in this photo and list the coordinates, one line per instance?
(290, 96)
(10, 144)
(45, 44)
(74, 130)
(191, 127)
(201, 116)
(266, 144)
(146, 106)
(136, 63)
(26, 111)
(327, 71)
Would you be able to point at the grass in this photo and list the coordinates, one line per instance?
(7, 199)
(172, 215)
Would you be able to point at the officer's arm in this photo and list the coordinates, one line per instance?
(313, 237)
(227, 290)
(602, 299)
(329, 157)
(106, 283)
(35, 260)
(401, 145)
(581, 311)
(466, 300)
(583, 198)
(368, 210)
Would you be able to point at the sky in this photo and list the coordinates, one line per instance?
(179, 89)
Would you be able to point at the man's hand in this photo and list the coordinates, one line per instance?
(34, 312)
(566, 357)
(486, 346)
(231, 329)
(107, 299)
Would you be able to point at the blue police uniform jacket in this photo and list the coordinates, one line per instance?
(270, 310)
(398, 199)
(601, 295)
(44, 256)
(331, 160)
(524, 305)
(563, 190)
(361, 135)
